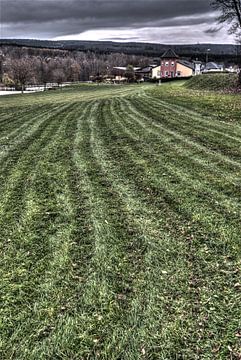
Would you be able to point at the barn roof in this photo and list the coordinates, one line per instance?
(124, 68)
(146, 69)
(186, 63)
(212, 65)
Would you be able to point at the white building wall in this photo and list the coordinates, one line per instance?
(156, 72)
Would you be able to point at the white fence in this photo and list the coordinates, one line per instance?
(42, 87)
(5, 90)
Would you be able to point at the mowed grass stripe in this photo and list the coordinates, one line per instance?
(28, 165)
(48, 178)
(85, 92)
(226, 108)
(212, 124)
(228, 150)
(15, 117)
(95, 309)
(82, 250)
(26, 140)
(11, 113)
(88, 304)
(203, 234)
(166, 180)
(143, 221)
(12, 195)
(14, 128)
(113, 250)
(105, 281)
(198, 154)
(164, 148)
(173, 178)
(90, 281)
(151, 233)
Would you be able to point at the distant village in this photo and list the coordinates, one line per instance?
(170, 66)
(29, 69)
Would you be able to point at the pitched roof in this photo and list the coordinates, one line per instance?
(124, 68)
(212, 65)
(186, 63)
(156, 66)
(169, 54)
(146, 69)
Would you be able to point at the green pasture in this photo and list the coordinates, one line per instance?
(120, 224)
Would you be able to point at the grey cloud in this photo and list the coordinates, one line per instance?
(65, 27)
(213, 30)
(61, 17)
(135, 11)
(118, 38)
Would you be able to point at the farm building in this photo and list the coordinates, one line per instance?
(168, 67)
(187, 68)
(144, 73)
(212, 67)
(171, 66)
(124, 73)
(156, 72)
(184, 68)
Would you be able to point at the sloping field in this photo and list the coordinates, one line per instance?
(120, 213)
(218, 82)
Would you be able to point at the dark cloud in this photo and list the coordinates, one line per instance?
(55, 18)
(127, 10)
(116, 38)
(213, 30)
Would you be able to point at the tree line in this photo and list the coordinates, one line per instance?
(22, 66)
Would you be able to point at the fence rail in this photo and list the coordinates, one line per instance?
(41, 87)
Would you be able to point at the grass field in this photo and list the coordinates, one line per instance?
(120, 211)
(219, 82)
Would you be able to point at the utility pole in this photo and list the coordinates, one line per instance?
(207, 52)
(1, 66)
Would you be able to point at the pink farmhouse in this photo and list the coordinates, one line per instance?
(169, 64)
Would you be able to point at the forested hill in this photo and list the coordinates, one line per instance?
(217, 51)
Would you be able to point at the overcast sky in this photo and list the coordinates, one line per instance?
(157, 21)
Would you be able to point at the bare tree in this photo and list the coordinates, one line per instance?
(59, 76)
(44, 70)
(230, 12)
(130, 73)
(1, 65)
(71, 69)
(20, 71)
(49, 65)
(7, 81)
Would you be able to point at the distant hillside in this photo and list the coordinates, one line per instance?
(216, 82)
(217, 52)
